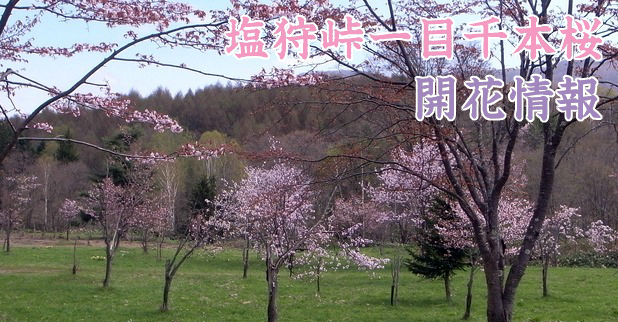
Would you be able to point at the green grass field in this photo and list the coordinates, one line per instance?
(36, 284)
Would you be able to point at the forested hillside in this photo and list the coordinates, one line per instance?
(251, 119)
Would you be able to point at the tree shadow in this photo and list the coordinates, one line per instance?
(407, 302)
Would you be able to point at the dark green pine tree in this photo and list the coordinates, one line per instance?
(202, 196)
(118, 168)
(434, 258)
(66, 152)
(200, 202)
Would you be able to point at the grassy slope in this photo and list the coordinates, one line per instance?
(36, 284)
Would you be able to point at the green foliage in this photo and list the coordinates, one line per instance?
(590, 259)
(5, 134)
(203, 196)
(118, 168)
(435, 259)
(121, 141)
(200, 199)
(66, 151)
(26, 147)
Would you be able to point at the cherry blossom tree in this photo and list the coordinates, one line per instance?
(277, 208)
(277, 205)
(561, 227)
(68, 211)
(18, 196)
(600, 236)
(105, 203)
(118, 208)
(404, 198)
(148, 200)
(152, 218)
(405, 194)
(477, 156)
(417, 176)
(162, 225)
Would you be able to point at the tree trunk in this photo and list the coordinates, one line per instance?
(245, 258)
(496, 307)
(447, 287)
(74, 258)
(68, 229)
(544, 274)
(8, 241)
(46, 198)
(108, 266)
(271, 274)
(319, 272)
(160, 248)
(395, 269)
(291, 265)
(145, 242)
(167, 286)
(469, 294)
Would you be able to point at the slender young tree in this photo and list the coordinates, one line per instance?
(19, 188)
(202, 229)
(118, 208)
(558, 230)
(277, 208)
(68, 211)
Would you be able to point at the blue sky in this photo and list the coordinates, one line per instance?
(122, 76)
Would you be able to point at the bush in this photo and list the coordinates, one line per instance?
(590, 259)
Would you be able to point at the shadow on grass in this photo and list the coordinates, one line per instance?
(424, 302)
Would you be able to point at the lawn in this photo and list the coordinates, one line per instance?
(36, 284)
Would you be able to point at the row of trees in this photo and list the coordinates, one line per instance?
(476, 158)
(277, 211)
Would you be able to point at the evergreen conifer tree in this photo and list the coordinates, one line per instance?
(434, 258)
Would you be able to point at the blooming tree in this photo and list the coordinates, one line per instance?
(152, 217)
(18, 196)
(105, 203)
(402, 191)
(277, 205)
(477, 157)
(348, 223)
(277, 208)
(68, 211)
(118, 208)
(147, 200)
(560, 226)
(600, 236)
(417, 176)
(404, 197)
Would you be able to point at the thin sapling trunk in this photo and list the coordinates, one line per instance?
(468, 311)
(395, 269)
(74, 258)
(172, 266)
(245, 257)
(447, 288)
